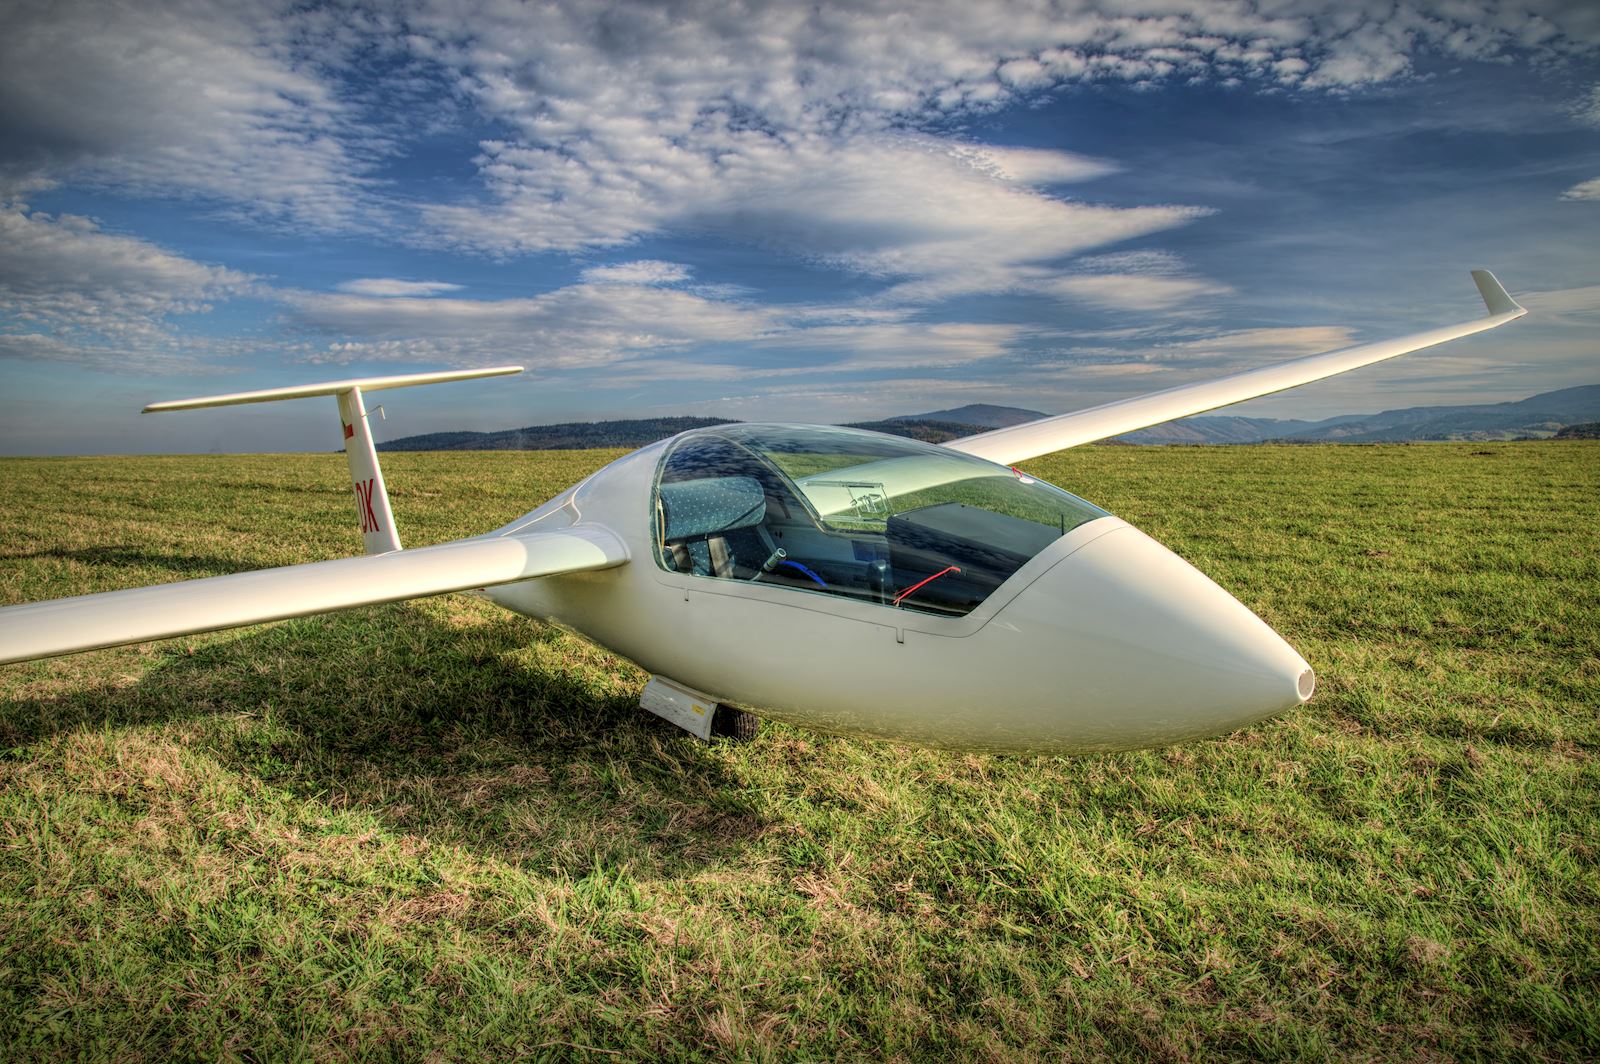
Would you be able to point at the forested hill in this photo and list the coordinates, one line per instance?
(580, 435)
(1538, 416)
(977, 416)
(924, 429)
(1535, 417)
(569, 436)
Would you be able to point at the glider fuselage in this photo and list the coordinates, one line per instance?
(1104, 640)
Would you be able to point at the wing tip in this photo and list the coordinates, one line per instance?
(1494, 294)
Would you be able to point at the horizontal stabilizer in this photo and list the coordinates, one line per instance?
(301, 391)
(373, 512)
(112, 618)
(1020, 442)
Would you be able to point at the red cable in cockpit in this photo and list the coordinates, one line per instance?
(926, 580)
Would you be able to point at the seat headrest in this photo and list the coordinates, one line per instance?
(712, 504)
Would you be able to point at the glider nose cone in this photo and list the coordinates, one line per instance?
(1164, 653)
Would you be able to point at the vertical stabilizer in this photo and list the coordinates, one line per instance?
(372, 497)
(373, 515)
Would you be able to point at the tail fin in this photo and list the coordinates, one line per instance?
(372, 498)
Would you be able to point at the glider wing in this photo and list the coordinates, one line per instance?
(1020, 442)
(112, 618)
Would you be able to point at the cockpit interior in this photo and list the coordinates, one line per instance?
(836, 511)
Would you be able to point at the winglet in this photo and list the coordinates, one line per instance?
(1494, 294)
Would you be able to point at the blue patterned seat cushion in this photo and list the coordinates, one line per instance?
(711, 505)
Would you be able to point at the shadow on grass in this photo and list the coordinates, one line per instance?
(504, 736)
(133, 557)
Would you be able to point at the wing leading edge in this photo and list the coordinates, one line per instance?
(1029, 440)
(112, 618)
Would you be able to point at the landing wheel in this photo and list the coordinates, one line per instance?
(735, 724)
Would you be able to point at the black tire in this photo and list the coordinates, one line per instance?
(735, 724)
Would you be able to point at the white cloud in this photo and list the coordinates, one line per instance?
(944, 219)
(636, 117)
(999, 370)
(197, 97)
(1587, 190)
(789, 124)
(629, 328)
(1136, 291)
(577, 326)
(814, 402)
(1032, 166)
(1586, 108)
(69, 291)
(390, 287)
(1149, 280)
(895, 346)
(819, 131)
(1212, 352)
(1371, 53)
(1576, 306)
(642, 271)
(1144, 261)
(859, 352)
(43, 256)
(1259, 346)
(610, 114)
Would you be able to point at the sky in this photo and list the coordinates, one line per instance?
(773, 211)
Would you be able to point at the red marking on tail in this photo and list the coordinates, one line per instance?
(349, 431)
(369, 519)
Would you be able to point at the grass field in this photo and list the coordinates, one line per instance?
(436, 830)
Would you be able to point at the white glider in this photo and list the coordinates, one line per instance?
(841, 580)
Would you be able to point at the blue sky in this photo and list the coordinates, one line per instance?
(827, 212)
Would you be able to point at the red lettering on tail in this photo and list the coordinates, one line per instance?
(369, 519)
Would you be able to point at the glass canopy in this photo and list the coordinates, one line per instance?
(845, 512)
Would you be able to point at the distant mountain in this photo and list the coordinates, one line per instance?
(978, 415)
(1218, 430)
(569, 436)
(1538, 416)
(579, 435)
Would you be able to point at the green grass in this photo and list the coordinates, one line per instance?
(439, 830)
